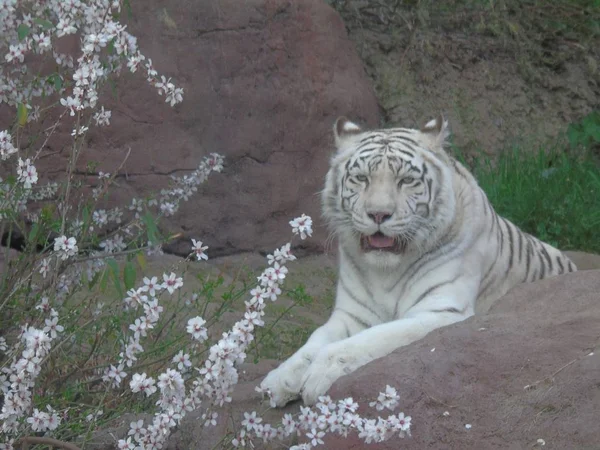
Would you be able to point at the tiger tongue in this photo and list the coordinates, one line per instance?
(379, 240)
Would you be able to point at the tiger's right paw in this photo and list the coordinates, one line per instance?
(285, 382)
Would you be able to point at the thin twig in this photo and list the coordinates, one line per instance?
(25, 441)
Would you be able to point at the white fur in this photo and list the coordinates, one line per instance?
(380, 303)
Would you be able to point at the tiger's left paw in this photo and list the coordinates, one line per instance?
(330, 364)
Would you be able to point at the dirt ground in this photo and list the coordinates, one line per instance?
(501, 71)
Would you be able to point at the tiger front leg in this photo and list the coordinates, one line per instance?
(285, 382)
(345, 356)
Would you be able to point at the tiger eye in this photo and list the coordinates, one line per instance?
(362, 178)
(406, 180)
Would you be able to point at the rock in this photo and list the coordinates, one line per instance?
(583, 260)
(522, 372)
(263, 82)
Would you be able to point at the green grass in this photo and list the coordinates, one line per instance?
(553, 194)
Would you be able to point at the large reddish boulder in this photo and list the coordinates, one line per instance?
(527, 370)
(263, 82)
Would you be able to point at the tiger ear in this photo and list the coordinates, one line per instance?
(344, 129)
(436, 132)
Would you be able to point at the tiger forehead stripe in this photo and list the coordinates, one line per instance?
(388, 147)
(397, 149)
(394, 163)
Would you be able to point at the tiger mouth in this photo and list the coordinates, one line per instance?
(381, 242)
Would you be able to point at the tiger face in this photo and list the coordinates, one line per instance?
(389, 192)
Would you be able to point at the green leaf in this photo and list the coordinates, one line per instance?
(86, 216)
(56, 80)
(47, 213)
(94, 280)
(127, 6)
(45, 24)
(104, 280)
(114, 271)
(151, 228)
(129, 275)
(111, 47)
(33, 233)
(22, 114)
(22, 31)
(141, 259)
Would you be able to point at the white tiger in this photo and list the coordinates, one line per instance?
(420, 247)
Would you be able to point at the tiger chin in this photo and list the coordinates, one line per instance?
(420, 247)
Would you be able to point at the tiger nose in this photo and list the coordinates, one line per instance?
(379, 217)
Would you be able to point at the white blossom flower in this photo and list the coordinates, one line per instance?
(72, 104)
(170, 382)
(44, 304)
(142, 383)
(65, 247)
(172, 282)
(135, 297)
(302, 225)
(251, 421)
(139, 327)
(126, 444)
(45, 267)
(53, 420)
(348, 404)
(137, 430)
(43, 42)
(315, 437)
(303, 446)
(114, 375)
(38, 421)
(195, 327)
(79, 131)
(273, 292)
(152, 310)
(15, 53)
(182, 360)
(52, 327)
(388, 399)
(100, 217)
(27, 173)
(6, 146)
(151, 285)
(174, 96)
(198, 249)
(102, 117)
(210, 419)
(279, 271)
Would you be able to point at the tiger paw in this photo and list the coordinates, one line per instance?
(284, 383)
(329, 365)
